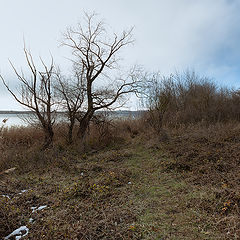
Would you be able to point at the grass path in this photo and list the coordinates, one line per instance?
(167, 201)
(116, 194)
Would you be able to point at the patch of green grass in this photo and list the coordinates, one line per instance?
(165, 201)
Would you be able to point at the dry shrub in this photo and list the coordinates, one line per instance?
(100, 131)
(109, 132)
(61, 133)
(128, 128)
(190, 99)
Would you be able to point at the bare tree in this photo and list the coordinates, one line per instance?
(96, 56)
(35, 93)
(70, 91)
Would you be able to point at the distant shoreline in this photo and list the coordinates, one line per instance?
(29, 112)
(15, 112)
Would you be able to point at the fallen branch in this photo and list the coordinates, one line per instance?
(8, 170)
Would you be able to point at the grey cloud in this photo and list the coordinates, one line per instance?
(172, 34)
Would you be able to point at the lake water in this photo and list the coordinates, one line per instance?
(12, 120)
(18, 119)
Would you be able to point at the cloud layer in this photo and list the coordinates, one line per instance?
(199, 34)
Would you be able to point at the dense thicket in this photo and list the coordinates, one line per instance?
(188, 99)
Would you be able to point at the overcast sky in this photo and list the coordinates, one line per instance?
(170, 34)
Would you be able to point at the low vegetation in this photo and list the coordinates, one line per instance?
(128, 183)
(170, 174)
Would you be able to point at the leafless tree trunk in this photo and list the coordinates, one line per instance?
(96, 55)
(71, 93)
(35, 93)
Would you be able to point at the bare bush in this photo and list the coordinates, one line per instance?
(188, 99)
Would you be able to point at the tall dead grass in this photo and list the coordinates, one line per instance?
(21, 147)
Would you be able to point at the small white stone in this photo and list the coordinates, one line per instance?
(5, 196)
(22, 191)
(129, 183)
(18, 233)
(34, 209)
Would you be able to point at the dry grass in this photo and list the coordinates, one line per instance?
(129, 183)
(209, 157)
(87, 198)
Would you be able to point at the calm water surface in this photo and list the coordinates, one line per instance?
(12, 120)
(18, 119)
